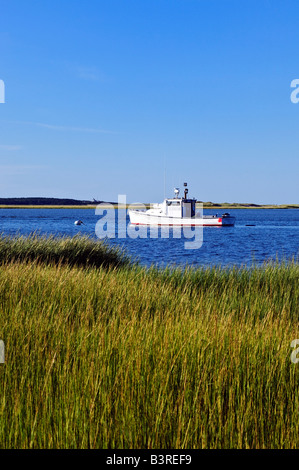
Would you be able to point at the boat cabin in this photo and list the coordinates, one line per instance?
(179, 207)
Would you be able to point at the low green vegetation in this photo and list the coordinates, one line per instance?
(73, 251)
(206, 205)
(89, 206)
(235, 205)
(113, 355)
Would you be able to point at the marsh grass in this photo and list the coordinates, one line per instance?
(127, 357)
(79, 250)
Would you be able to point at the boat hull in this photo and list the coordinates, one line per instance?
(142, 218)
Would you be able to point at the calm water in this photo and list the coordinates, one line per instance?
(272, 234)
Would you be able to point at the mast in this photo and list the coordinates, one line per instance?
(185, 191)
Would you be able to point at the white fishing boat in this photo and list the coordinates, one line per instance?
(178, 211)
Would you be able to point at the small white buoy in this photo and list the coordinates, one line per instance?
(78, 222)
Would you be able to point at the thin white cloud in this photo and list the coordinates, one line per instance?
(10, 148)
(90, 73)
(71, 128)
(54, 127)
(9, 170)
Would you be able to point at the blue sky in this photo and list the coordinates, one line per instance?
(107, 97)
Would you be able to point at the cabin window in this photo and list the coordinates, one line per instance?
(173, 203)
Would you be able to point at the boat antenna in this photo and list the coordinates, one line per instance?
(185, 191)
(164, 179)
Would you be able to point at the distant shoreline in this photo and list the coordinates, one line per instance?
(108, 205)
(64, 203)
